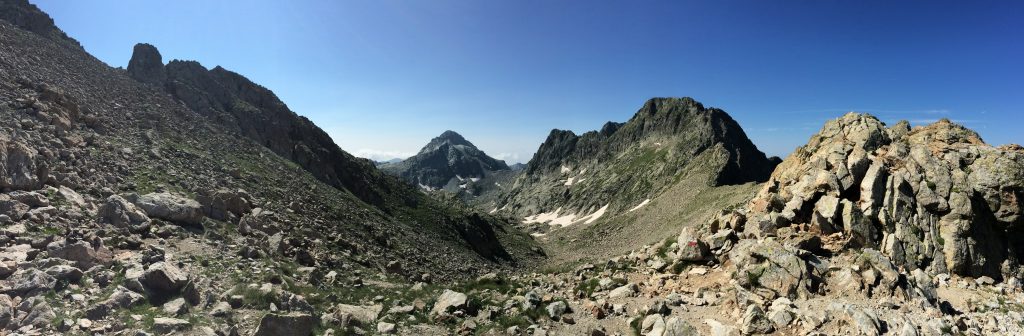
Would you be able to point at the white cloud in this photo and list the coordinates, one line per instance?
(507, 157)
(381, 155)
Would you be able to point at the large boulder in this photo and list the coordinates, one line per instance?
(118, 212)
(770, 267)
(20, 169)
(691, 248)
(293, 324)
(448, 302)
(28, 282)
(357, 315)
(163, 278)
(82, 253)
(171, 207)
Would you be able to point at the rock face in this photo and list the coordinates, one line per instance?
(147, 65)
(935, 197)
(447, 160)
(624, 163)
(27, 16)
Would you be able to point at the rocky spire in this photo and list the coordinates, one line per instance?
(147, 65)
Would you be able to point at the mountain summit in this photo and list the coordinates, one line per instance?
(448, 137)
(666, 140)
(449, 160)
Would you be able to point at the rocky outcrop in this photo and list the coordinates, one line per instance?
(146, 65)
(447, 160)
(27, 16)
(935, 197)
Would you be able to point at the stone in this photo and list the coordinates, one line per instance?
(221, 309)
(826, 215)
(448, 302)
(675, 326)
(557, 309)
(65, 273)
(357, 315)
(626, 290)
(167, 325)
(171, 207)
(28, 282)
(386, 328)
(118, 212)
(690, 247)
(771, 266)
(755, 322)
(13, 209)
(224, 204)
(19, 169)
(292, 324)
(653, 325)
(175, 307)
(36, 313)
(121, 298)
(719, 329)
(163, 278)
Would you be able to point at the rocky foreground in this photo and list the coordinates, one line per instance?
(131, 264)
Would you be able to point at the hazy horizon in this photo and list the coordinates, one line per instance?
(384, 77)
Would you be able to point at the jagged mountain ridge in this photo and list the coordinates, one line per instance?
(624, 163)
(255, 112)
(448, 160)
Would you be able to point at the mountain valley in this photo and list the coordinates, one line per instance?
(173, 199)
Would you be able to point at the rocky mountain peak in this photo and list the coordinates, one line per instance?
(448, 137)
(146, 64)
(447, 161)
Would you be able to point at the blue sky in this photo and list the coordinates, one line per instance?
(383, 77)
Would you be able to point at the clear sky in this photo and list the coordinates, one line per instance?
(383, 77)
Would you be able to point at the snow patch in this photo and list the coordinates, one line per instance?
(493, 210)
(569, 181)
(426, 187)
(474, 179)
(551, 218)
(566, 170)
(641, 205)
(557, 218)
(597, 214)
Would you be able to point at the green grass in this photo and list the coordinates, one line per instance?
(663, 249)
